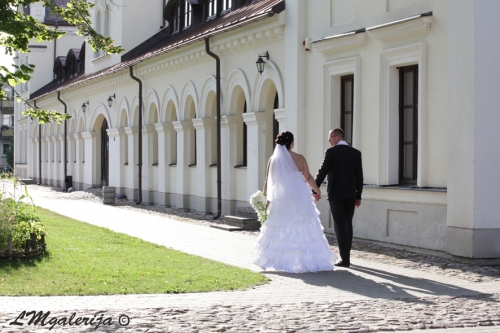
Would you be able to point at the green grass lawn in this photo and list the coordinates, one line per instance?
(87, 260)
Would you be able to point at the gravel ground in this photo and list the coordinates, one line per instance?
(361, 249)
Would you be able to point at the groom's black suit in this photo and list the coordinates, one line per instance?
(343, 166)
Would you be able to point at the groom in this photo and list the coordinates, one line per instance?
(342, 164)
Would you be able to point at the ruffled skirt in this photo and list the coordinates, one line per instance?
(292, 238)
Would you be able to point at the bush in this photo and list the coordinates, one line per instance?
(18, 219)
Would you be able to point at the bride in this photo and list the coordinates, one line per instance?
(292, 238)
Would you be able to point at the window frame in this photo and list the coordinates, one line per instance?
(414, 142)
(343, 111)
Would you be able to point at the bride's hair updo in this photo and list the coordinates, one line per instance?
(285, 138)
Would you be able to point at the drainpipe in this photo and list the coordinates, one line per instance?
(217, 79)
(39, 149)
(140, 133)
(65, 137)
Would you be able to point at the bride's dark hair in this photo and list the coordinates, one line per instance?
(285, 138)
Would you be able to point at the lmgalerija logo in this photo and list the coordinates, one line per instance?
(43, 319)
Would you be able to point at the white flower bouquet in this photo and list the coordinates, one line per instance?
(258, 202)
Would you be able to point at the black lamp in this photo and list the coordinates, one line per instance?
(260, 63)
(110, 99)
(84, 106)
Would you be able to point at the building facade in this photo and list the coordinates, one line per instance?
(410, 82)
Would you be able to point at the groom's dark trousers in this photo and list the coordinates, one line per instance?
(342, 164)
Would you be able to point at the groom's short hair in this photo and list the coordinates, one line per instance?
(339, 132)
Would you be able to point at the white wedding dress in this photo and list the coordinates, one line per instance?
(292, 238)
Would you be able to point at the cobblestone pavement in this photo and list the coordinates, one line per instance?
(384, 290)
(360, 316)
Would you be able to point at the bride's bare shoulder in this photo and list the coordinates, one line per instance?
(297, 155)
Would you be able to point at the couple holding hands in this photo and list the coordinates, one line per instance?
(292, 239)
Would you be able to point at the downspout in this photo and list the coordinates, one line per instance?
(55, 41)
(65, 137)
(217, 79)
(140, 133)
(39, 149)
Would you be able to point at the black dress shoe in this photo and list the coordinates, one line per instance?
(341, 263)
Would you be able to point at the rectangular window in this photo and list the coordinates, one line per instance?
(212, 7)
(227, 4)
(346, 106)
(188, 14)
(5, 149)
(176, 18)
(408, 124)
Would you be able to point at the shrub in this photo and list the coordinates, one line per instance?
(18, 219)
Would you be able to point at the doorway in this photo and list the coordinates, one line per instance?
(104, 154)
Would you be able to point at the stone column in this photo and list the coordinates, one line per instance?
(228, 160)
(51, 160)
(115, 156)
(163, 162)
(202, 126)
(181, 197)
(60, 161)
(473, 216)
(30, 158)
(133, 160)
(256, 165)
(92, 165)
(149, 183)
(77, 162)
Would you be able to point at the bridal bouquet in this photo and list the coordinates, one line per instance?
(258, 202)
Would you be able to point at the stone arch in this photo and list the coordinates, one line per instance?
(236, 79)
(101, 109)
(123, 113)
(72, 125)
(152, 100)
(81, 124)
(270, 74)
(169, 102)
(209, 87)
(133, 119)
(189, 95)
(123, 118)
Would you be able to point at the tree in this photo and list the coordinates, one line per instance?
(17, 30)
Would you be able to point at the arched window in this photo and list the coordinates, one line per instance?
(81, 60)
(59, 69)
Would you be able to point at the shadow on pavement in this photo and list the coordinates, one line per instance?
(374, 283)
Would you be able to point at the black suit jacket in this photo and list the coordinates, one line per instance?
(342, 164)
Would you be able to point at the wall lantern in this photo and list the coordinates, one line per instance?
(84, 106)
(31, 120)
(110, 99)
(260, 63)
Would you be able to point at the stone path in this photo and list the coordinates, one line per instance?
(390, 293)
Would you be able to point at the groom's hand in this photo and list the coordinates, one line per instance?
(316, 196)
(358, 203)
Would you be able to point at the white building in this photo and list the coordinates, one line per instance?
(412, 83)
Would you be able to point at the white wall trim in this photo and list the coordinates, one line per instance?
(333, 71)
(389, 112)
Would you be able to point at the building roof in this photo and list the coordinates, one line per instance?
(163, 43)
